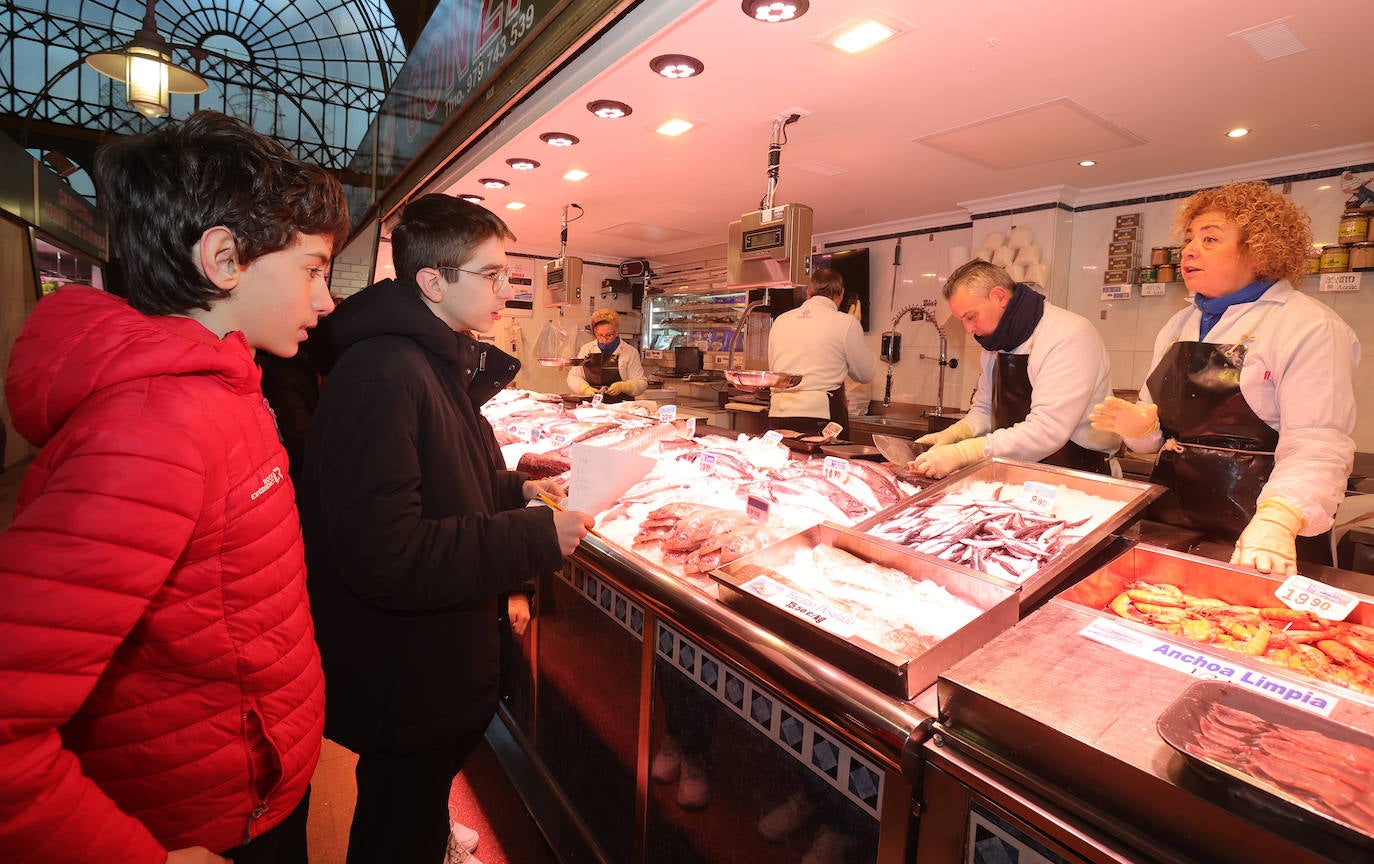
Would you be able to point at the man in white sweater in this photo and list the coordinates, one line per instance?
(1043, 369)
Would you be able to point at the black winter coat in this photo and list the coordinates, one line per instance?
(412, 531)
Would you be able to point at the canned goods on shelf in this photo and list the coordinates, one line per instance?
(1354, 227)
(1159, 255)
(1146, 275)
(1313, 264)
(1165, 273)
(1362, 256)
(1335, 259)
(1175, 254)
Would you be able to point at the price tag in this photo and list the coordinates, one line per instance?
(834, 468)
(707, 463)
(1039, 496)
(757, 508)
(597, 400)
(831, 430)
(691, 427)
(559, 440)
(667, 413)
(538, 434)
(516, 431)
(1152, 289)
(1309, 595)
(773, 436)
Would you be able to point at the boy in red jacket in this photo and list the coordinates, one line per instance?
(160, 688)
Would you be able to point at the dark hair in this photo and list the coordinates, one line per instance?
(163, 190)
(827, 283)
(441, 231)
(979, 277)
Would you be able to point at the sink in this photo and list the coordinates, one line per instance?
(879, 420)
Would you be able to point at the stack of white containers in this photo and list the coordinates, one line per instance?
(1017, 254)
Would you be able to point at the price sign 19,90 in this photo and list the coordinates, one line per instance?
(1299, 592)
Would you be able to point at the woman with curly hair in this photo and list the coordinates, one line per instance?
(1251, 400)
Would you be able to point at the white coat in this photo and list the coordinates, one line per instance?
(626, 359)
(822, 344)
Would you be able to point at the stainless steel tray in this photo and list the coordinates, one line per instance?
(1131, 496)
(1243, 764)
(895, 673)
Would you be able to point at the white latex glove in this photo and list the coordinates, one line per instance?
(938, 462)
(1127, 419)
(958, 432)
(1268, 543)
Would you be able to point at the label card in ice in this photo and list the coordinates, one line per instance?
(1038, 496)
(707, 463)
(817, 611)
(667, 413)
(757, 508)
(773, 436)
(515, 431)
(597, 399)
(831, 430)
(1309, 595)
(834, 468)
(537, 433)
(559, 440)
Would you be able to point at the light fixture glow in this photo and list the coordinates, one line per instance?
(494, 182)
(775, 11)
(516, 205)
(1238, 132)
(609, 109)
(472, 199)
(1323, 188)
(674, 127)
(558, 139)
(522, 164)
(146, 68)
(863, 36)
(676, 66)
(576, 174)
(1087, 163)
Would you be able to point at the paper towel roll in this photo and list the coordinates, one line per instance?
(1020, 238)
(984, 254)
(992, 241)
(1002, 256)
(1017, 273)
(958, 257)
(1039, 274)
(1027, 255)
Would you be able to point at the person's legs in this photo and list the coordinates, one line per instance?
(402, 812)
(284, 843)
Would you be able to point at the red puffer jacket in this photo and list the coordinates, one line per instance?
(159, 681)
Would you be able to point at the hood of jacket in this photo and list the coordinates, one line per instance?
(389, 308)
(80, 341)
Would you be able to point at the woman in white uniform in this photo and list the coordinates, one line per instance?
(609, 366)
(1251, 400)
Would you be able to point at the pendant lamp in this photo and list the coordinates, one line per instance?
(146, 68)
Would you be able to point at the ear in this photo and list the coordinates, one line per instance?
(217, 256)
(428, 280)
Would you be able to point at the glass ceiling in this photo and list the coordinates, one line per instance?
(311, 73)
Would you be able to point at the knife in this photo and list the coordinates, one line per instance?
(895, 449)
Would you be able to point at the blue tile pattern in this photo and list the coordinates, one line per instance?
(617, 606)
(792, 731)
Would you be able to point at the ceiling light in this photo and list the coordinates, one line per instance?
(1238, 132)
(775, 11)
(516, 205)
(472, 199)
(494, 182)
(674, 127)
(1323, 188)
(146, 68)
(609, 109)
(522, 164)
(862, 36)
(576, 174)
(558, 139)
(676, 65)
(1087, 163)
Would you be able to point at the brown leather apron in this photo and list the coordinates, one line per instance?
(602, 370)
(1011, 403)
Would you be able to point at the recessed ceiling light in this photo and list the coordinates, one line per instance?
(558, 139)
(494, 182)
(609, 109)
(674, 127)
(1238, 132)
(1323, 188)
(522, 164)
(775, 11)
(1087, 163)
(472, 199)
(862, 36)
(516, 205)
(576, 174)
(676, 66)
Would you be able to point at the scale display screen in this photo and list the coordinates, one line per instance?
(554, 278)
(763, 238)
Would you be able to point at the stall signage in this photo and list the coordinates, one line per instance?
(691, 427)
(816, 611)
(1200, 664)
(667, 413)
(1307, 595)
(1116, 292)
(1152, 289)
(1339, 282)
(68, 217)
(773, 436)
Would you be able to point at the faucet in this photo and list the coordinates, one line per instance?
(739, 327)
(920, 313)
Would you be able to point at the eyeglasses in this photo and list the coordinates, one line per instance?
(495, 280)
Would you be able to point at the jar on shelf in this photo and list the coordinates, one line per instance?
(1165, 273)
(1146, 275)
(1159, 255)
(1354, 227)
(1335, 259)
(1175, 254)
(1362, 256)
(1313, 265)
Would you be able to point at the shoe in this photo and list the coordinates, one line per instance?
(463, 835)
(667, 761)
(794, 812)
(828, 847)
(458, 853)
(692, 791)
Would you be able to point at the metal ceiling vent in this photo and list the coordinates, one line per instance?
(1270, 41)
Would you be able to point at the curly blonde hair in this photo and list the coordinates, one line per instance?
(1274, 232)
(605, 315)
